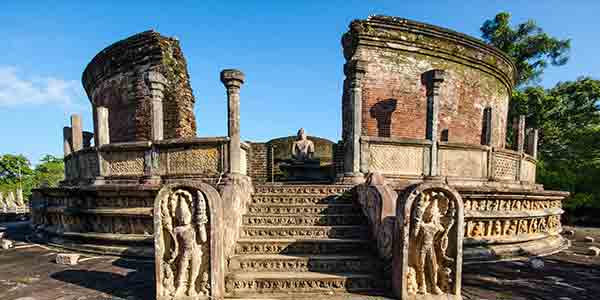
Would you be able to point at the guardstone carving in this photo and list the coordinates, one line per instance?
(428, 238)
(182, 245)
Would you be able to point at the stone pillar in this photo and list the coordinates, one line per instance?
(156, 82)
(67, 141)
(102, 134)
(355, 71)
(76, 133)
(521, 133)
(233, 80)
(487, 127)
(532, 143)
(433, 80)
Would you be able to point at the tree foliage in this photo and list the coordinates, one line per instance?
(16, 172)
(567, 115)
(530, 47)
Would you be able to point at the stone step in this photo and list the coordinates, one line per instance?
(303, 263)
(311, 232)
(315, 209)
(303, 246)
(303, 220)
(290, 284)
(307, 189)
(299, 199)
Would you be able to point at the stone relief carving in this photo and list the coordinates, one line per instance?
(487, 228)
(509, 204)
(427, 257)
(182, 245)
(378, 202)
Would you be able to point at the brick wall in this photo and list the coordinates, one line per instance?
(394, 95)
(115, 79)
(258, 162)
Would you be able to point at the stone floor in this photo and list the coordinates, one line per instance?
(28, 272)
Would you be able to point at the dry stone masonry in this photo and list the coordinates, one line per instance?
(420, 181)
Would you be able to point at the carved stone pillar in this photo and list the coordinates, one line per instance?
(355, 71)
(521, 133)
(76, 133)
(433, 80)
(156, 82)
(102, 134)
(532, 143)
(428, 241)
(486, 138)
(67, 141)
(233, 80)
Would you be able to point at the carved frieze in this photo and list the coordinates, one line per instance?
(130, 163)
(306, 220)
(510, 204)
(494, 228)
(202, 160)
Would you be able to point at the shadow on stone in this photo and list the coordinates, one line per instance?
(139, 282)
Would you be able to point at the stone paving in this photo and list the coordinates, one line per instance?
(29, 272)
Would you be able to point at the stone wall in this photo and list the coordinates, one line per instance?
(116, 78)
(394, 94)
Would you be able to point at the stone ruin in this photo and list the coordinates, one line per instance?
(13, 207)
(420, 182)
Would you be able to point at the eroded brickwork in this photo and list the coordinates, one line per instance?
(394, 92)
(115, 78)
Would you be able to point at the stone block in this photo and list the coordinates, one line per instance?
(427, 245)
(536, 263)
(187, 249)
(6, 244)
(2, 234)
(70, 259)
(594, 251)
(588, 239)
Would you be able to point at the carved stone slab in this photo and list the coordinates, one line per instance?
(428, 239)
(188, 244)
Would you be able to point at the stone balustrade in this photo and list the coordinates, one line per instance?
(201, 157)
(410, 159)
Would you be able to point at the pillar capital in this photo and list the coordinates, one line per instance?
(232, 78)
(355, 69)
(433, 79)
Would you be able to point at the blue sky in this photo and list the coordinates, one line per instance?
(289, 50)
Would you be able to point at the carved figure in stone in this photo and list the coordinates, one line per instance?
(303, 149)
(427, 226)
(184, 222)
(497, 230)
(429, 256)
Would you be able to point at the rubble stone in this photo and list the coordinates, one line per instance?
(67, 258)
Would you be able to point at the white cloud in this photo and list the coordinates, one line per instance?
(15, 90)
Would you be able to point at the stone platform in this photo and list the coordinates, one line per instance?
(28, 272)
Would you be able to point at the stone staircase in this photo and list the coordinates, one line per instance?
(303, 240)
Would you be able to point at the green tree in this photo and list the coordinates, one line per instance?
(529, 46)
(50, 171)
(567, 115)
(15, 172)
